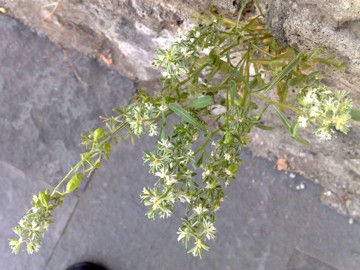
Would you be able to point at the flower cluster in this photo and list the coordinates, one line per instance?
(177, 60)
(170, 164)
(142, 118)
(324, 110)
(34, 224)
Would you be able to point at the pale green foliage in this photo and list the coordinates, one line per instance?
(37, 220)
(216, 82)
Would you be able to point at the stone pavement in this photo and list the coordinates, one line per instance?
(49, 96)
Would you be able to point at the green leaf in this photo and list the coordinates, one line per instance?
(232, 92)
(264, 127)
(355, 114)
(201, 159)
(315, 53)
(290, 66)
(185, 116)
(107, 147)
(233, 169)
(74, 182)
(200, 102)
(292, 128)
(44, 199)
(98, 133)
(283, 118)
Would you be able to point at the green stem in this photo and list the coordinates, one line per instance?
(276, 103)
(80, 163)
(207, 141)
(73, 169)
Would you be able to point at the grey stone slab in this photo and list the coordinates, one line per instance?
(330, 238)
(15, 197)
(48, 98)
(301, 261)
(258, 225)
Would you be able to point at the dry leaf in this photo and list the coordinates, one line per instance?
(106, 60)
(282, 165)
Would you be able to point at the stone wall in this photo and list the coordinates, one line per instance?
(123, 35)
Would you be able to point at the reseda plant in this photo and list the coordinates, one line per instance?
(219, 81)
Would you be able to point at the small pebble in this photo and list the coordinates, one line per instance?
(292, 175)
(300, 187)
(351, 221)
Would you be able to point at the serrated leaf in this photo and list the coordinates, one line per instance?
(355, 114)
(200, 102)
(186, 116)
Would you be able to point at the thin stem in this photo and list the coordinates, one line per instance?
(74, 169)
(276, 103)
(207, 141)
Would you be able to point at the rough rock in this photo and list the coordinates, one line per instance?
(333, 25)
(124, 34)
(306, 25)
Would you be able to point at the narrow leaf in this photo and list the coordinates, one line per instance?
(264, 127)
(290, 66)
(201, 159)
(185, 116)
(292, 128)
(283, 119)
(200, 102)
(232, 92)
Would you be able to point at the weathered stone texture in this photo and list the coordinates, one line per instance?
(124, 34)
(307, 24)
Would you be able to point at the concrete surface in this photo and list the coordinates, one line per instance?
(123, 35)
(49, 97)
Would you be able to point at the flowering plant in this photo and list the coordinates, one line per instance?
(218, 81)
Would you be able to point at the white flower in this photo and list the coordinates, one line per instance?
(162, 173)
(310, 98)
(205, 173)
(314, 111)
(149, 106)
(163, 107)
(200, 209)
(209, 230)
(165, 143)
(302, 121)
(153, 130)
(227, 156)
(166, 213)
(170, 179)
(229, 173)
